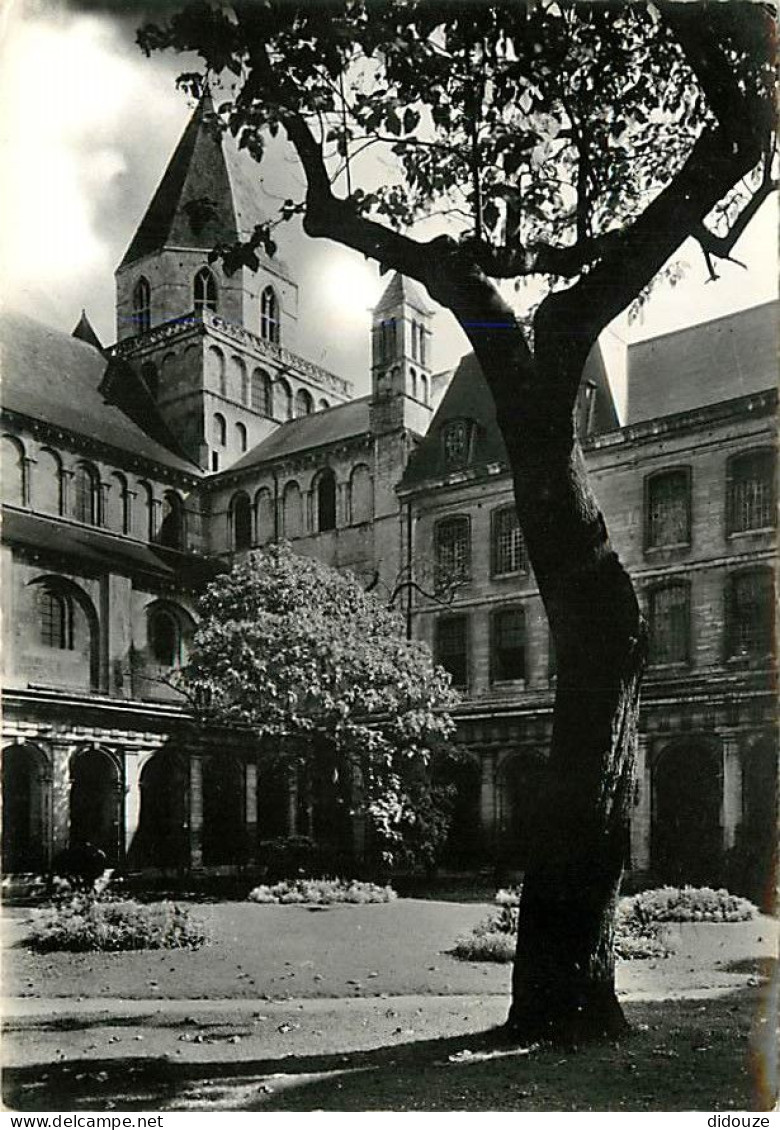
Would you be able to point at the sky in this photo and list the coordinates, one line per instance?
(87, 125)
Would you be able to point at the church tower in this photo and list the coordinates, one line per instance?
(216, 351)
(400, 360)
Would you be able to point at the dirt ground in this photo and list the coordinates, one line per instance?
(363, 1008)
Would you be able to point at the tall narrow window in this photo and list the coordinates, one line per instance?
(423, 350)
(55, 617)
(455, 441)
(750, 614)
(262, 398)
(204, 292)
(172, 525)
(286, 405)
(508, 645)
(86, 506)
(751, 491)
(452, 541)
(304, 403)
(241, 441)
(452, 647)
(164, 638)
(13, 471)
(670, 624)
(415, 332)
(220, 430)
(507, 548)
(142, 305)
(326, 501)
(668, 510)
(241, 515)
(269, 316)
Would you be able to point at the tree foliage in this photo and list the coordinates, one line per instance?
(322, 674)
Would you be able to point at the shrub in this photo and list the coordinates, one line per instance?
(321, 892)
(688, 904)
(86, 922)
(300, 856)
(637, 925)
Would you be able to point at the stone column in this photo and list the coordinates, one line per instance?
(250, 810)
(196, 812)
(292, 804)
(487, 798)
(60, 795)
(132, 800)
(640, 816)
(731, 799)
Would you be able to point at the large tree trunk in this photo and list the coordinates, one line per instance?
(563, 980)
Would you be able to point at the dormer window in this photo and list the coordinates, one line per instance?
(455, 441)
(204, 292)
(142, 306)
(269, 316)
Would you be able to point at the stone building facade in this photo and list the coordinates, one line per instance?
(132, 474)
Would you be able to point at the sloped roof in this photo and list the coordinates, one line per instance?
(704, 364)
(400, 290)
(84, 331)
(468, 397)
(51, 376)
(331, 425)
(208, 193)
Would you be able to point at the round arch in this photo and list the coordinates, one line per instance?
(162, 839)
(26, 789)
(687, 788)
(96, 795)
(520, 778)
(67, 622)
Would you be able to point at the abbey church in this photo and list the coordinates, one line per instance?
(133, 473)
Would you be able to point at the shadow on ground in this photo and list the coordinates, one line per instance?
(680, 1055)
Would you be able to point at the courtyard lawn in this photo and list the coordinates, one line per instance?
(362, 1008)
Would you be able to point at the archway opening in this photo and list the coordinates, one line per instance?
(686, 840)
(96, 803)
(520, 784)
(162, 839)
(25, 803)
(224, 827)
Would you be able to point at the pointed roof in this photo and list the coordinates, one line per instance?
(207, 195)
(401, 290)
(83, 331)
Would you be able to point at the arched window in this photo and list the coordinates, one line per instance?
(452, 551)
(55, 619)
(145, 518)
(286, 395)
(323, 405)
(506, 543)
(269, 316)
(750, 491)
(47, 482)
(215, 368)
(13, 472)
(413, 375)
(239, 381)
(326, 500)
(264, 516)
(164, 636)
(118, 504)
(668, 508)
(142, 305)
(262, 396)
(86, 500)
(670, 624)
(415, 332)
(240, 437)
(423, 388)
(241, 520)
(750, 610)
(292, 511)
(423, 333)
(507, 645)
(172, 525)
(304, 403)
(204, 292)
(361, 502)
(220, 430)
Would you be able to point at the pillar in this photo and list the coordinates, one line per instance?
(250, 810)
(60, 796)
(487, 797)
(196, 812)
(731, 801)
(640, 815)
(132, 800)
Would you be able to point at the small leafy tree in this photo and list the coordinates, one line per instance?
(571, 148)
(322, 674)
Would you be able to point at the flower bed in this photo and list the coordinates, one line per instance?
(86, 922)
(321, 892)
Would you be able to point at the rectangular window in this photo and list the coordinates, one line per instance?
(55, 620)
(670, 625)
(453, 552)
(751, 491)
(508, 551)
(750, 614)
(668, 511)
(452, 647)
(508, 645)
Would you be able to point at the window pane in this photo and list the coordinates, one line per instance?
(453, 551)
(164, 639)
(751, 501)
(667, 515)
(669, 625)
(508, 645)
(451, 649)
(54, 620)
(456, 443)
(508, 550)
(750, 614)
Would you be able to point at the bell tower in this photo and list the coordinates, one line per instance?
(401, 359)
